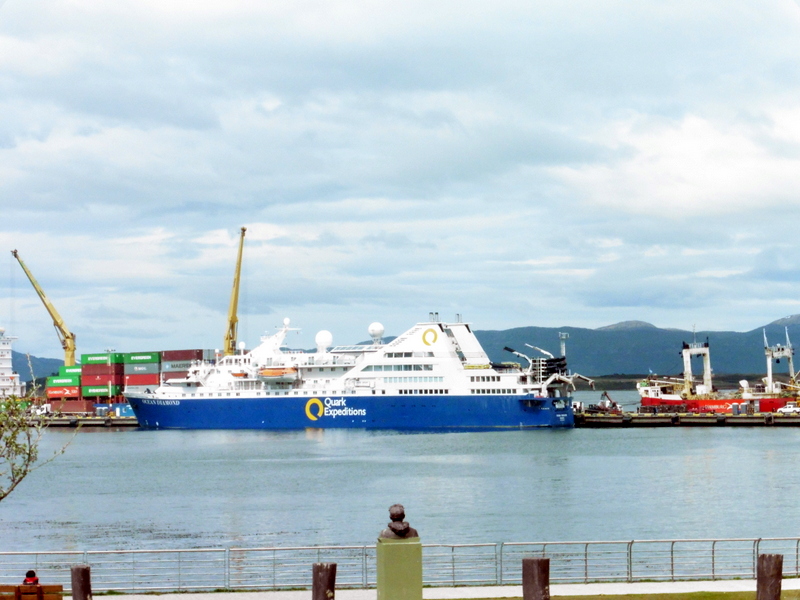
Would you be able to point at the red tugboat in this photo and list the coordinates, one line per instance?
(675, 394)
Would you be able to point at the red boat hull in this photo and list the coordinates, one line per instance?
(716, 405)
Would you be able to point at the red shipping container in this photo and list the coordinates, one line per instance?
(143, 379)
(72, 406)
(102, 379)
(64, 392)
(175, 375)
(170, 355)
(117, 369)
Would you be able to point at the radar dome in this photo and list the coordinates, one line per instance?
(323, 340)
(375, 331)
(286, 321)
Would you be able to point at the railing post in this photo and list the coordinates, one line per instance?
(672, 561)
(714, 560)
(226, 576)
(364, 576)
(453, 564)
(180, 555)
(502, 550)
(586, 562)
(756, 548)
(630, 561)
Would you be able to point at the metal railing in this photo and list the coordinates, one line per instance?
(443, 564)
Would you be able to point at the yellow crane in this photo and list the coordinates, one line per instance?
(229, 345)
(65, 336)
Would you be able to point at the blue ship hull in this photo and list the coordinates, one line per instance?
(353, 412)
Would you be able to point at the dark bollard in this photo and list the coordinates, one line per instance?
(770, 574)
(536, 579)
(81, 582)
(324, 581)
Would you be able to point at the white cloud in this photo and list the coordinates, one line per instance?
(694, 167)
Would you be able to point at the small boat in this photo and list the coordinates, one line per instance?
(278, 374)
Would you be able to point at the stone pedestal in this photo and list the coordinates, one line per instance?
(399, 569)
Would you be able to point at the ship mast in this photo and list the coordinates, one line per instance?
(229, 345)
(65, 336)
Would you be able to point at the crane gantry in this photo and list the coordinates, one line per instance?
(65, 336)
(229, 345)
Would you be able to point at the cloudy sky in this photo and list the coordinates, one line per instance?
(519, 162)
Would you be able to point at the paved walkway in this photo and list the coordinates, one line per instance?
(505, 591)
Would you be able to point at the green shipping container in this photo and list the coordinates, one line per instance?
(142, 357)
(101, 390)
(63, 380)
(76, 370)
(112, 358)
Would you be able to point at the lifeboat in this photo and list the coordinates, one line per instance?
(278, 374)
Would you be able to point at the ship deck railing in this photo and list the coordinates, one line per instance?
(272, 568)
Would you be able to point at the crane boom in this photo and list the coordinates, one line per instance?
(65, 336)
(229, 344)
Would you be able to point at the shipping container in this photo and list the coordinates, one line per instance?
(147, 379)
(72, 406)
(115, 369)
(184, 365)
(141, 369)
(101, 390)
(76, 369)
(170, 355)
(62, 380)
(102, 379)
(109, 358)
(174, 375)
(142, 357)
(73, 391)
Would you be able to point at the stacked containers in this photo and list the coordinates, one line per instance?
(64, 391)
(141, 371)
(102, 376)
(67, 384)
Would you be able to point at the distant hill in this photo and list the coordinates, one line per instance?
(636, 347)
(630, 347)
(42, 367)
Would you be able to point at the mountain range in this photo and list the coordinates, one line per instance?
(630, 347)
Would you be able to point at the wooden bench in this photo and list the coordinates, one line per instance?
(31, 592)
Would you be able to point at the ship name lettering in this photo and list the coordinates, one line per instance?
(159, 402)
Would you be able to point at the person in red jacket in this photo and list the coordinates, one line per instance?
(31, 578)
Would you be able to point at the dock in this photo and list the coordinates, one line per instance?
(601, 420)
(91, 421)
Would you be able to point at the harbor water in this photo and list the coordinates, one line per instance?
(131, 489)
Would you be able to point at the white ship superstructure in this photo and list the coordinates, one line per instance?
(10, 384)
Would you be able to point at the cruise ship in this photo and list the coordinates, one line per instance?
(435, 376)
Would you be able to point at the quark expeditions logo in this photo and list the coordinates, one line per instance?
(331, 407)
(429, 337)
